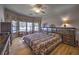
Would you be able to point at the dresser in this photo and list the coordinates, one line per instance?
(68, 35)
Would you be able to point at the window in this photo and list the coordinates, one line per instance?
(22, 26)
(14, 26)
(29, 26)
(36, 27)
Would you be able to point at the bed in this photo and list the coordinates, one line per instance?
(42, 43)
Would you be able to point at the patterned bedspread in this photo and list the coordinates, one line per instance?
(42, 43)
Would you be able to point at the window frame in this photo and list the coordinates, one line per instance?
(14, 26)
(36, 26)
(30, 27)
(21, 29)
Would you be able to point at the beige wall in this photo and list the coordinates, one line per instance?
(1, 13)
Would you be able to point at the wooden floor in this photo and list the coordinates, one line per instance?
(19, 48)
(64, 49)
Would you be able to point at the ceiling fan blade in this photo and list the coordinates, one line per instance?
(43, 12)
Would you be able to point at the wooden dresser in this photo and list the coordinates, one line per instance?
(69, 36)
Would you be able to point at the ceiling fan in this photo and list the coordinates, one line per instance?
(39, 8)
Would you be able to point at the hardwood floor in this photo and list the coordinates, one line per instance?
(19, 48)
(64, 49)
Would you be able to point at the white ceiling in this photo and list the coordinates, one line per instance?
(51, 9)
(23, 9)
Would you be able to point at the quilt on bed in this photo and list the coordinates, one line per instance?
(42, 43)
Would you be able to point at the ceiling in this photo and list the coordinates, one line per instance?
(51, 9)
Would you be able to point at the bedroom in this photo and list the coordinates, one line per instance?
(38, 29)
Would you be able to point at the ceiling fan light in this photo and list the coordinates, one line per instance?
(37, 10)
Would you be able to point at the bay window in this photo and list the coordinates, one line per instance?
(14, 26)
(22, 26)
(29, 26)
(36, 26)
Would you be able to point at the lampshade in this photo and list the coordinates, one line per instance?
(65, 19)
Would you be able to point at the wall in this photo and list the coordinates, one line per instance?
(51, 20)
(2, 13)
